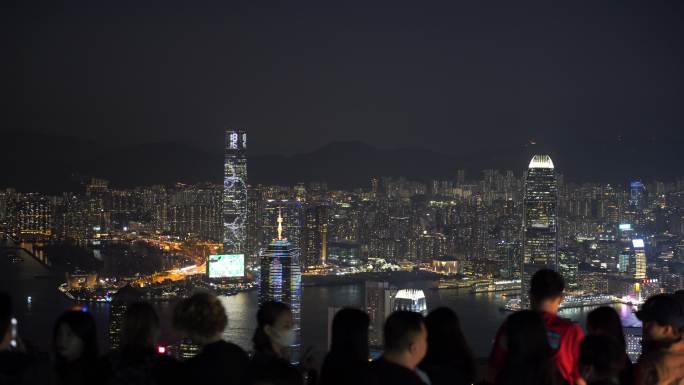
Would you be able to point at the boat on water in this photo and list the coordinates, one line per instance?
(486, 287)
(570, 301)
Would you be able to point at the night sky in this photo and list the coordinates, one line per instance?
(446, 76)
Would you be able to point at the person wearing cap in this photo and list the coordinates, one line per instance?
(662, 360)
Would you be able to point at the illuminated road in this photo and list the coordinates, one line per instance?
(173, 274)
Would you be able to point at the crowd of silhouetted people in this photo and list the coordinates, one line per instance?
(533, 346)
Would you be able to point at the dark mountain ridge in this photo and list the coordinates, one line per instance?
(52, 164)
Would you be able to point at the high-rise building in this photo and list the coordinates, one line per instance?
(292, 212)
(540, 220)
(637, 194)
(460, 177)
(633, 341)
(255, 212)
(378, 305)
(344, 253)
(568, 267)
(637, 264)
(33, 217)
(410, 300)
(196, 211)
(281, 280)
(315, 240)
(235, 192)
(592, 279)
(117, 312)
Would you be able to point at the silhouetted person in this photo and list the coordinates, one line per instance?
(138, 361)
(76, 356)
(449, 359)
(605, 321)
(273, 336)
(662, 359)
(347, 360)
(602, 360)
(529, 358)
(564, 336)
(203, 318)
(405, 338)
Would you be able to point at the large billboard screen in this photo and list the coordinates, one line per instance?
(226, 265)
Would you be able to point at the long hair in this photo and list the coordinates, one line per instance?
(267, 314)
(606, 321)
(529, 356)
(82, 325)
(140, 328)
(447, 347)
(350, 335)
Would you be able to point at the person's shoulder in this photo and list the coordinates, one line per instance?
(225, 348)
(234, 349)
(393, 373)
(558, 322)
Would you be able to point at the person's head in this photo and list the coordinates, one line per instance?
(662, 316)
(602, 357)
(74, 337)
(606, 321)
(446, 343)
(140, 329)
(546, 290)
(405, 334)
(526, 336)
(350, 334)
(201, 317)
(5, 320)
(275, 328)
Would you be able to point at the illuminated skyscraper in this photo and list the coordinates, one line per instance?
(292, 212)
(378, 305)
(117, 312)
(281, 280)
(235, 192)
(637, 194)
(255, 210)
(33, 217)
(637, 264)
(315, 240)
(568, 267)
(196, 211)
(410, 300)
(540, 220)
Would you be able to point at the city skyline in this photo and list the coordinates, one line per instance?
(374, 156)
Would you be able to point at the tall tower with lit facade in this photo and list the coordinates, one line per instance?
(235, 192)
(281, 280)
(315, 242)
(540, 221)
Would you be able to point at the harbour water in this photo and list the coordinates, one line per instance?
(480, 313)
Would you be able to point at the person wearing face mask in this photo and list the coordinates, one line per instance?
(405, 338)
(662, 359)
(273, 336)
(203, 319)
(76, 356)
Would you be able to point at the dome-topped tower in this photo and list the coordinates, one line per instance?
(541, 161)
